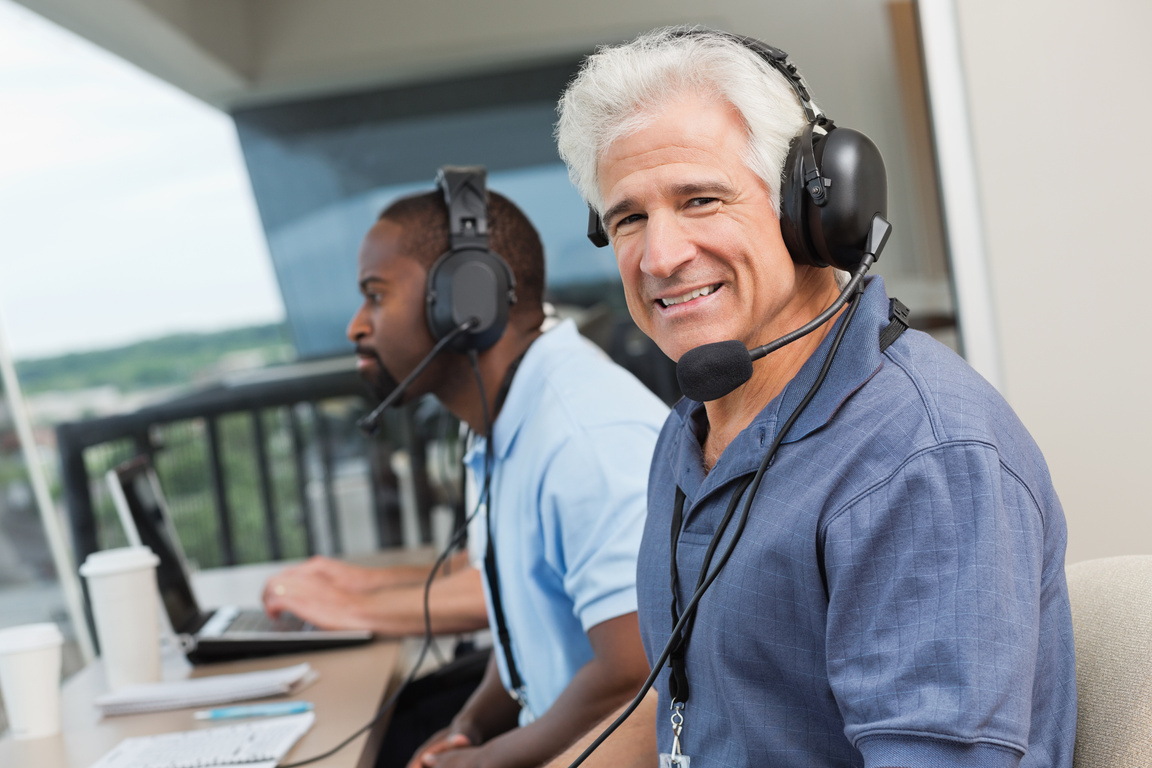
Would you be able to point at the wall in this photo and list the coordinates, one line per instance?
(1058, 95)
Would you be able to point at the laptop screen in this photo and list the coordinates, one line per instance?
(136, 490)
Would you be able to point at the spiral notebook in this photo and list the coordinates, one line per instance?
(256, 744)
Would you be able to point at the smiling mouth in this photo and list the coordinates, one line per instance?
(694, 294)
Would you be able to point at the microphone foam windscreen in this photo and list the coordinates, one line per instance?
(711, 371)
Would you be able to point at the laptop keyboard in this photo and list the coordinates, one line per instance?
(258, 621)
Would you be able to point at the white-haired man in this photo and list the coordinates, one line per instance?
(895, 595)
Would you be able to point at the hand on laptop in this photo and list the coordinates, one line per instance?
(350, 578)
(316, 599)
(389, 601)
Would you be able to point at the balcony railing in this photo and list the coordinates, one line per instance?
(264, 468)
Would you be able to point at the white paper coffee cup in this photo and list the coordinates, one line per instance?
(125, 599)
(30, 679)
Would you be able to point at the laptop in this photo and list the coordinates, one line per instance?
(223, 633)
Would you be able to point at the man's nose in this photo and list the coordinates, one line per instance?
(667, 246)
(358, 326)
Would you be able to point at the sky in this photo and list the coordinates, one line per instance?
(125, 208)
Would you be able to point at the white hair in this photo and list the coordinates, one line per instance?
(620, 89)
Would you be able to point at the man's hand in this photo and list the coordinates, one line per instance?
(315, 599)
(350, 578)
(388, 601)
(466, 743)
(447, 747)
(467, 757)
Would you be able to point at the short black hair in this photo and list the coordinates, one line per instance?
(424, 220)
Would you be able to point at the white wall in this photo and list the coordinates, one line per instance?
(1058, 92)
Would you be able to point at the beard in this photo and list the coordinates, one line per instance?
(380, 382)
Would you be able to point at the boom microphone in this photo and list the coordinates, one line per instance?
(370, 424)
(712, 371)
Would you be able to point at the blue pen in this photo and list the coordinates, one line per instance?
(270, 709)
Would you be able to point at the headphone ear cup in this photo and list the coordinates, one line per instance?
(857, 187)
(794, 205)
(464, 284)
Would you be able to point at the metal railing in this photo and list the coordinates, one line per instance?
(262, 468)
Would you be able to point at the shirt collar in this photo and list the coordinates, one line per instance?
(857, 360)
(525, 389)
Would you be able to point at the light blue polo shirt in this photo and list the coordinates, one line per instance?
(897, 597)
(573, 444)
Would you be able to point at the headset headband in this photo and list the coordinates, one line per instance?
(774, 56)
(778, 59)
(464, 188)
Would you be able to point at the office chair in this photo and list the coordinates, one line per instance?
(1112, 623)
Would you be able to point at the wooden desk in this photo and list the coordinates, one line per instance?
(353, 683)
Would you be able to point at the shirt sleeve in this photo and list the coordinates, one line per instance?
(593, 507)
(934, 580)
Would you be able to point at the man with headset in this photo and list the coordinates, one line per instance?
(453, 284)
(875, 537)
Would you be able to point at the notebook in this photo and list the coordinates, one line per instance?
(257, 744)
(205, 691)
(224, 633)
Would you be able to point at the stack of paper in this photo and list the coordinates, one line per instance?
(205, 691)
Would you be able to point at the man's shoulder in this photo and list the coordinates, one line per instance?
(923, 378)
(581, 384)
(925, 397)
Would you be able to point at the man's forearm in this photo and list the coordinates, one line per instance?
(313, 592)
(609, 680)
(632, 745)
(489, 711)
(395, 576)
(456, 604)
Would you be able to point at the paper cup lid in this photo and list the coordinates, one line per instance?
(111, 561)
(29, 637)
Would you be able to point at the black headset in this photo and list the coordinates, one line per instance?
(833, 183)
(469, 283)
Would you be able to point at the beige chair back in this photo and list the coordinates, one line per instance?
(1112, 622)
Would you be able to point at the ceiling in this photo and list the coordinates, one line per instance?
(233, 53)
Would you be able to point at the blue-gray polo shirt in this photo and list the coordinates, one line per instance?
(898, 596)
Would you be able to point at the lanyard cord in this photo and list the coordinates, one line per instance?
(493, 576)
(678, 678)
(690, 606)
